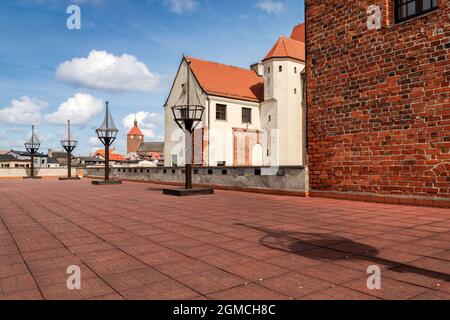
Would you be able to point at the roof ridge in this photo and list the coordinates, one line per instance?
(283, 39)
(219, 63)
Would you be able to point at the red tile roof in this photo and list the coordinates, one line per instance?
(298, 33)
(287, 47)
(135, 131)
(228, 81)
(112, 155)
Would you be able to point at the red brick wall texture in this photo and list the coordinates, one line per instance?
(378, 100)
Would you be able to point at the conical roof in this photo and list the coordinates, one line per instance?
(135, 131)
(33, 139)
(287, 48)
(108, 123)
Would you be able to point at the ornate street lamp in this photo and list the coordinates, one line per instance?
(188, 116)
(107, 134)
(69, 145)
(32, 146)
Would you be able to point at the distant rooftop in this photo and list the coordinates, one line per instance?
(152, 147)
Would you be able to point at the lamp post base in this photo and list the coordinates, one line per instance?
(37, 178)
(104, 183)
(65, 179)
(188, 192)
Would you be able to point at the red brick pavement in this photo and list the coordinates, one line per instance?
(132, 242)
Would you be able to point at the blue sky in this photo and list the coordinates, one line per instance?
(49, 73)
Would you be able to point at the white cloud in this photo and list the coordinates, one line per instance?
(271, 6)
(105, 71)
(94, 142)
(147, 122)
(79, 109)
(25, 110)
(181, 6)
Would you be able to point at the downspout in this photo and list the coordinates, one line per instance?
(209, 131)
(307, 187)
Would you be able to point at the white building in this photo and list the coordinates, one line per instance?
(252, 117)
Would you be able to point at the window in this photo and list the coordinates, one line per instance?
(246, 115)
(221, 112)
(268, 70)
(270, 118)
(280, 68)
(407, 9)
(295, 70)
(295, 90)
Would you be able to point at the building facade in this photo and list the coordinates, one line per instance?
(40, 159)
(378, 76)
(252, 117)
(134, 138)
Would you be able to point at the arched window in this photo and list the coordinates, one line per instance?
(280, 68)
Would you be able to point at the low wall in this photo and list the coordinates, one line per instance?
(40, 172)
(293, 179)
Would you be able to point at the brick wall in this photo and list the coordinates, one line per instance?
(378, 100)
(244, 140)
(198, 146)
(133, 144)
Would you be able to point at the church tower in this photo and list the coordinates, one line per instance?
(134, 138)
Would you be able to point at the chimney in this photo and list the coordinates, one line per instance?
(258, 68)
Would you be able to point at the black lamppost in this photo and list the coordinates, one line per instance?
(107, 134)
(188, 116)
(69, 145)
(32, 146)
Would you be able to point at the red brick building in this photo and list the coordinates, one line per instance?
(134, 138)
(379, 96)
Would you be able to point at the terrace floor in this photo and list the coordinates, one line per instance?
(132, 242)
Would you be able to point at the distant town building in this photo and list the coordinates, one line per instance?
(139, 150)
(53, 163)
(135, 138)
(253, 117)
(40, 159)
(88, 161)
(113, 156)
(60, 156)
(9, 161)
(153, 151)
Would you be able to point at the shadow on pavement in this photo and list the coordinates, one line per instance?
(331, 248)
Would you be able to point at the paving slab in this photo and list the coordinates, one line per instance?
(132, 242)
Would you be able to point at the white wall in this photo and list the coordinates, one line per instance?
(220, 134)
(284, 106)
(173, 135)
(284, 132)
(41, 172)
